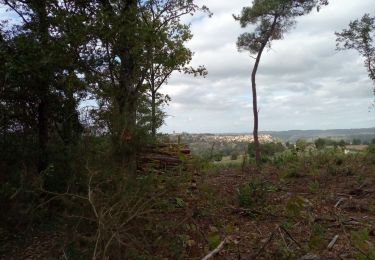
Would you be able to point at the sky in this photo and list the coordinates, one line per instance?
(303, 82)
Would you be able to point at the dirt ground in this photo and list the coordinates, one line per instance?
(325, 215)
(329, 209)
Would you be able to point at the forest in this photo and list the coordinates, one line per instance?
(87, 173)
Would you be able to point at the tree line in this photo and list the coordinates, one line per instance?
(58, 56)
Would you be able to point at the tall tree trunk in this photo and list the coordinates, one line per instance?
(153, 113)
(125, 135)
(41, 12)
(129, 137)
(126, 142)
(255, 109)
(254, 92)
(42, 135)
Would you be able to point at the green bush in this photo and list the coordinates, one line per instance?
(267, 149)
(320, 143)
(291, 171)
(253, 193)
(360, 239)
(285, 157)
(234, 156)
(371, 149)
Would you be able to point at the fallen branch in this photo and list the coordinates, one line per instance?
(290, 236)
(339, 201)
(253, 212)
(333, 242)
(216, 250)
(264, 245)
(282, 237)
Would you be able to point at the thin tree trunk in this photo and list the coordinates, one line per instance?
(254, 93)
(153, 102)
(255, 109)
(153, 113)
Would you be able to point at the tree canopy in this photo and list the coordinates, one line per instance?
(360, 36)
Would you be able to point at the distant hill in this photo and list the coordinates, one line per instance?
(364, 134)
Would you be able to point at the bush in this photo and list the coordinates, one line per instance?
(371, 149)
(253, 193)
(234, 156)
(292, 171)
(267, 150)
(218, 157)
(320, 143)
(285, 157)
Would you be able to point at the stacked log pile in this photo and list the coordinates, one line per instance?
(164, 156)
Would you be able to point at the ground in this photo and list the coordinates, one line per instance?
(327, 213)
(301, 214)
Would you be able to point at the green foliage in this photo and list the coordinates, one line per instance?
(213, 240)
(294, 206)
(268, 150)
(283, 253)
(371, 149)
(218, 156)
(272, 19)
(252, 193)
(360, 36)
(285, 157)
(361, 241)
(234, 156)
(320, 143)
(287, 225)
(314, 186)
(301, 145)
(291, 171)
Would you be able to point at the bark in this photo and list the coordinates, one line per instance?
(42, 135)
(254, 94)
(41, 12)
(126, 129)
(153, 102)
(153, 113)
(255, 107)
(126, 96)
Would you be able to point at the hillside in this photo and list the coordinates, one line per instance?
(364, 134)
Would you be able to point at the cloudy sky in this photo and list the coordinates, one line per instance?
(303, 82)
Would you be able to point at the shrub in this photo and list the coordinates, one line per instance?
(252, 193)
(371, 149)
(285, 157)
(320, 143)
(267, 149)
(360, 239)
(234, 156)
(292, 171)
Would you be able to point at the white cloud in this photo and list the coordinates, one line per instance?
(303, 82)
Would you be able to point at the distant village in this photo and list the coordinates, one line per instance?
(220, 138)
